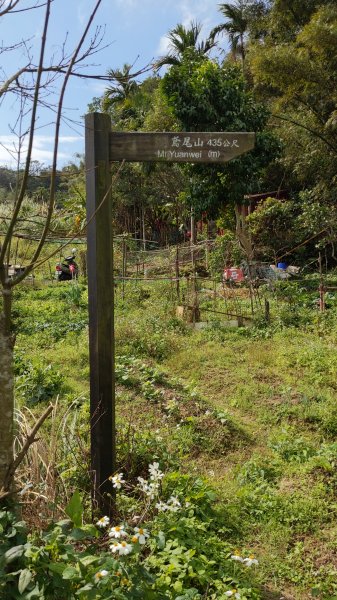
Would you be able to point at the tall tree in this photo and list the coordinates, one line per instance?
(30, 84)
(181, 40)
(205, 96)
(243, 17)
(125, 86)
(297, 77)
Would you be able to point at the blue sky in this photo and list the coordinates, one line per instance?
(136, 31)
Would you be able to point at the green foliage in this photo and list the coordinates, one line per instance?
(51, 321)
(186, 556)
(208, 97)
(291, 448)
(296, 61)
(226, 251)
(38, 383)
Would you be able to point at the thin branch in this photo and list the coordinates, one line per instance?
(18, 460)
(57, 133)
(312, 131)
(13, 3)
(31, 137)
(74, 237)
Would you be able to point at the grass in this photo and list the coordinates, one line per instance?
(250, 410)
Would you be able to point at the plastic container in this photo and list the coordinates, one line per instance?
(282, 266)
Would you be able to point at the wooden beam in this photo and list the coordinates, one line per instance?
(192, 147)
(101, 309)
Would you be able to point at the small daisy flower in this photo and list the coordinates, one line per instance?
(174, 504)
(124, 548)
(234, 593)
(237, 557)
(251, 560)
(161, 506)
(100, 575)
(141, 535)
(117, 480)
(117, 532)
(103, 522)
(155, 472)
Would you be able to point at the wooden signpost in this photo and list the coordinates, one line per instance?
(195, 147)
(101, 148)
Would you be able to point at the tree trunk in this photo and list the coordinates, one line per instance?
(6, 401)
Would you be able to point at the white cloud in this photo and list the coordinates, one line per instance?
(163, 46)
(191, 10)
(42, 149)
(197, 10)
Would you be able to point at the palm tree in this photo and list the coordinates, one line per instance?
(182, 39)
(236, 26)
(124, 88)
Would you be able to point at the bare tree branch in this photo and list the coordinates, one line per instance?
(31, 138)
(54, 165)
(31, 438)
(10, 8)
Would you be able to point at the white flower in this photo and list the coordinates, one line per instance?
(117, 532)
(173, 504)
(117, 480)
(142, 483)
(161, 506)
(155, 473)
(234, 593)
(237, 557)
(150, 489)
(100, 574)
(250, 561)
(140, 535)
(121, 547)
(103, 522)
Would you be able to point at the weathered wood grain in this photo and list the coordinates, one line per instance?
(194, 147)
(101, 316)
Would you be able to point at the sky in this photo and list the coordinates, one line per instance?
(135, 33)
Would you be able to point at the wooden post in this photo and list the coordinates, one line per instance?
(321, 285)
(177, 273)
(101, 314)
(123, 269)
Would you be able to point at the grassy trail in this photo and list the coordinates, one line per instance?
(281, 392)
(253, 411)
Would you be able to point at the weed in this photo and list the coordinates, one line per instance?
(38, 383)
(291, 448)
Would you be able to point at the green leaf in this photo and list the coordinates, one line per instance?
(85, 588)
(74, 510)
(24, 580)
(14, 553)
(70, 573)
(57, 567)
(161, 540)
(89, 560)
